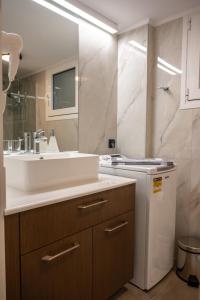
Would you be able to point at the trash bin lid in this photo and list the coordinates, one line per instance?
(189, 244)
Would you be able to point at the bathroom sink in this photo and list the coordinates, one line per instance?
(32, 172)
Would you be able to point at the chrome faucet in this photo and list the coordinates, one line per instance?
(36, 140)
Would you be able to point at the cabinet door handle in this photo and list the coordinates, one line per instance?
(125, 223)
(85, 206)
(49, 258)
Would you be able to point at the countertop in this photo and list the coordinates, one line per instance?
(19, 201)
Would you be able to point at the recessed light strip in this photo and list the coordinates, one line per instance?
(84, 15)
(76, 13)
(57, 10)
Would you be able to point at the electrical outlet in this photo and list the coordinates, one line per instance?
(111, 143)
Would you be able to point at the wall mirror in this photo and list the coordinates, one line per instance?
(45, 92)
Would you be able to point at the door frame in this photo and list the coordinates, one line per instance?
(2, 190)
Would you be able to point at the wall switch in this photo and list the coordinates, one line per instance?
(111, 143)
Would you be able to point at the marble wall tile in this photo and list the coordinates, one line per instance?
(97, 89)
(183, 196)
(195, 175)
(175, 131)
(132, 93)
(169, 129)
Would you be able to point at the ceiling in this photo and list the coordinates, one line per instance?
(127, 13)
(48, 38)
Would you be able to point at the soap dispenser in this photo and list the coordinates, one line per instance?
(53, 145)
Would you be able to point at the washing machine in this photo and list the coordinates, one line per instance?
(155, 213)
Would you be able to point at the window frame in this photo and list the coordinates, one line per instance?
(63, 113)
(186, 91)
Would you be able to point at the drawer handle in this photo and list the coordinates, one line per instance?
(92, 204)
(116, 227)
(49, 258)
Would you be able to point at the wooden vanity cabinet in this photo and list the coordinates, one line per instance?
(62, 270)
(112, 255)
(80, 249)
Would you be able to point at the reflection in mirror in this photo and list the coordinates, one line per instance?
(64, 87)
(45, 92)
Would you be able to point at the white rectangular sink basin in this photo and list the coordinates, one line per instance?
(32, 172)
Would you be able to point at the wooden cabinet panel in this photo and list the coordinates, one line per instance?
(12, 249)
(113, 255)
(42, 226)
(52, 274)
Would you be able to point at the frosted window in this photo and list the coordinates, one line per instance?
(64, 89)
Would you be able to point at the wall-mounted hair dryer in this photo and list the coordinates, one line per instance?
(12, 44)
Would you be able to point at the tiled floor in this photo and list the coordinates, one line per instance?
(170, 288)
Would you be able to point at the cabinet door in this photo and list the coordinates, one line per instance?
(60, 271)
(113, 255)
